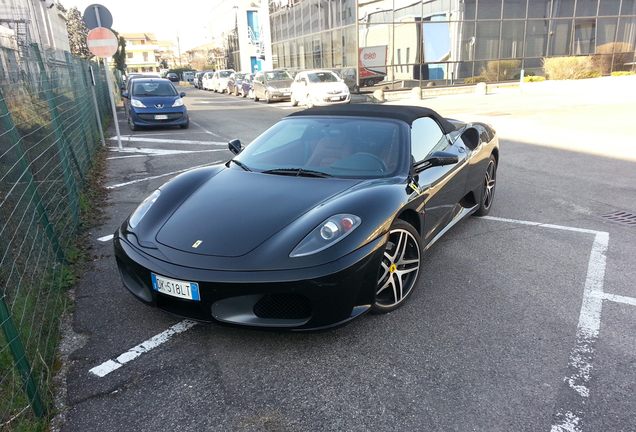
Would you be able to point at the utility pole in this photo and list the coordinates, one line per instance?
(179, 48)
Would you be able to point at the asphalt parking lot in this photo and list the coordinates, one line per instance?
(524, 320)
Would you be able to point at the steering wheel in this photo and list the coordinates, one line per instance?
(383, 167)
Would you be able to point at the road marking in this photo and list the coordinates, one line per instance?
(108, 366)
(204, 129)
(620, 299)
(106, 238)
(573, 400)
(154, 152)
(134, 138)
(116, 186)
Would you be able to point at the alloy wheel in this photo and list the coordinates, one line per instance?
(400, 268)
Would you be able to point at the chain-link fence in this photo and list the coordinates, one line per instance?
(49, 132)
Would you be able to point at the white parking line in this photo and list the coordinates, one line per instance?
(106, 238)
(154, 152)
(570, 414)
(135, 138)
(116, 186)
(108, 366)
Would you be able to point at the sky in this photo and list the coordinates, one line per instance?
(165, 18)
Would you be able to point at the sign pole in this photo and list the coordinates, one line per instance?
(112, 103)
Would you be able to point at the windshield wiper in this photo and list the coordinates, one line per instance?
(298, 172)
(241, 164)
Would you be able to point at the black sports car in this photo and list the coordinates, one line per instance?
(322, 218)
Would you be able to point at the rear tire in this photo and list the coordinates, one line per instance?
(488, 188)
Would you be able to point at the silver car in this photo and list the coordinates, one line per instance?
(272, 85)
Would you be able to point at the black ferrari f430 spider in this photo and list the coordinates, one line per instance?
(322, 218)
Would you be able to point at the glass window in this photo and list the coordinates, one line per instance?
(563, 9)
(584, 36)
(309, 54)
(284, 30)
(426, 138)
(298, 20)
(306, 11)
(336, 49)
(487, 40)
(539, 8)
(436, 41)
(327, 50)
(514, 9)
(489, 9)
(586, 8)
(628, 7)
(351, 48)
(626, 30)
(512, 38)
(335, 9)
(314, 14)
(560, 37)
(606, 31)
(316, 52)
(467, 43)
(536, 38)
(470, 6)
(348, 12)
(609, 7)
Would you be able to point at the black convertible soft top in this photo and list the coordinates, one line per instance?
(405, 113)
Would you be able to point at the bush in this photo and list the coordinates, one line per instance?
(563, 68)
(613, 56)
(474, 80)
(624, 73)
(500, 70)
(533, 79)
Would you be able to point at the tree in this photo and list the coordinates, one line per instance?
(77, 34)
(119, 58)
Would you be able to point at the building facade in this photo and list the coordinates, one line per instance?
(406, 43)
(143, 52)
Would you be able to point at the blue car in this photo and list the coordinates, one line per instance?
(155, 102)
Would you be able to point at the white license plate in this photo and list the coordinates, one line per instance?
(161, 117)
(335, 98)
(175, 288)
(286, 94)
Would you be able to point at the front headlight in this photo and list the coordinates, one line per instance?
(143, 209)
(137, 104)
(327, 234)
(178, 103)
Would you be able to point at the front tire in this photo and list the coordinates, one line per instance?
(400, 268)
(131, 124)
(267, 98)
(488, 188)
(294, 102)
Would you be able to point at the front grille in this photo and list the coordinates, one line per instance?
(151, 117)
(340, 98)
(283, 306)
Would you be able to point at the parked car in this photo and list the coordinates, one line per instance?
(155, 102)
(235, 82)
(172, 77)
(206, 80)
(272, 85)
(319, 87)
(220, 80)
(246, 86)
(197, 79)
(348, 202)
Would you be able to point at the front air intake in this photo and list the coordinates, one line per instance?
(283, 306)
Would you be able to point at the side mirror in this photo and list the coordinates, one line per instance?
(125, 94)
(182, 94)
(439, 158)
(122, 89)
(235, 146)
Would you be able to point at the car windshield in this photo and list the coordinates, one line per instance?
(278, 75)
(319, 77)
(345, 147)
(224, 74)
(147, 89)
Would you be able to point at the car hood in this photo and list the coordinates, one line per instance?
(280, 83)
(236, 211)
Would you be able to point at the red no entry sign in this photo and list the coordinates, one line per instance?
(102, 42)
